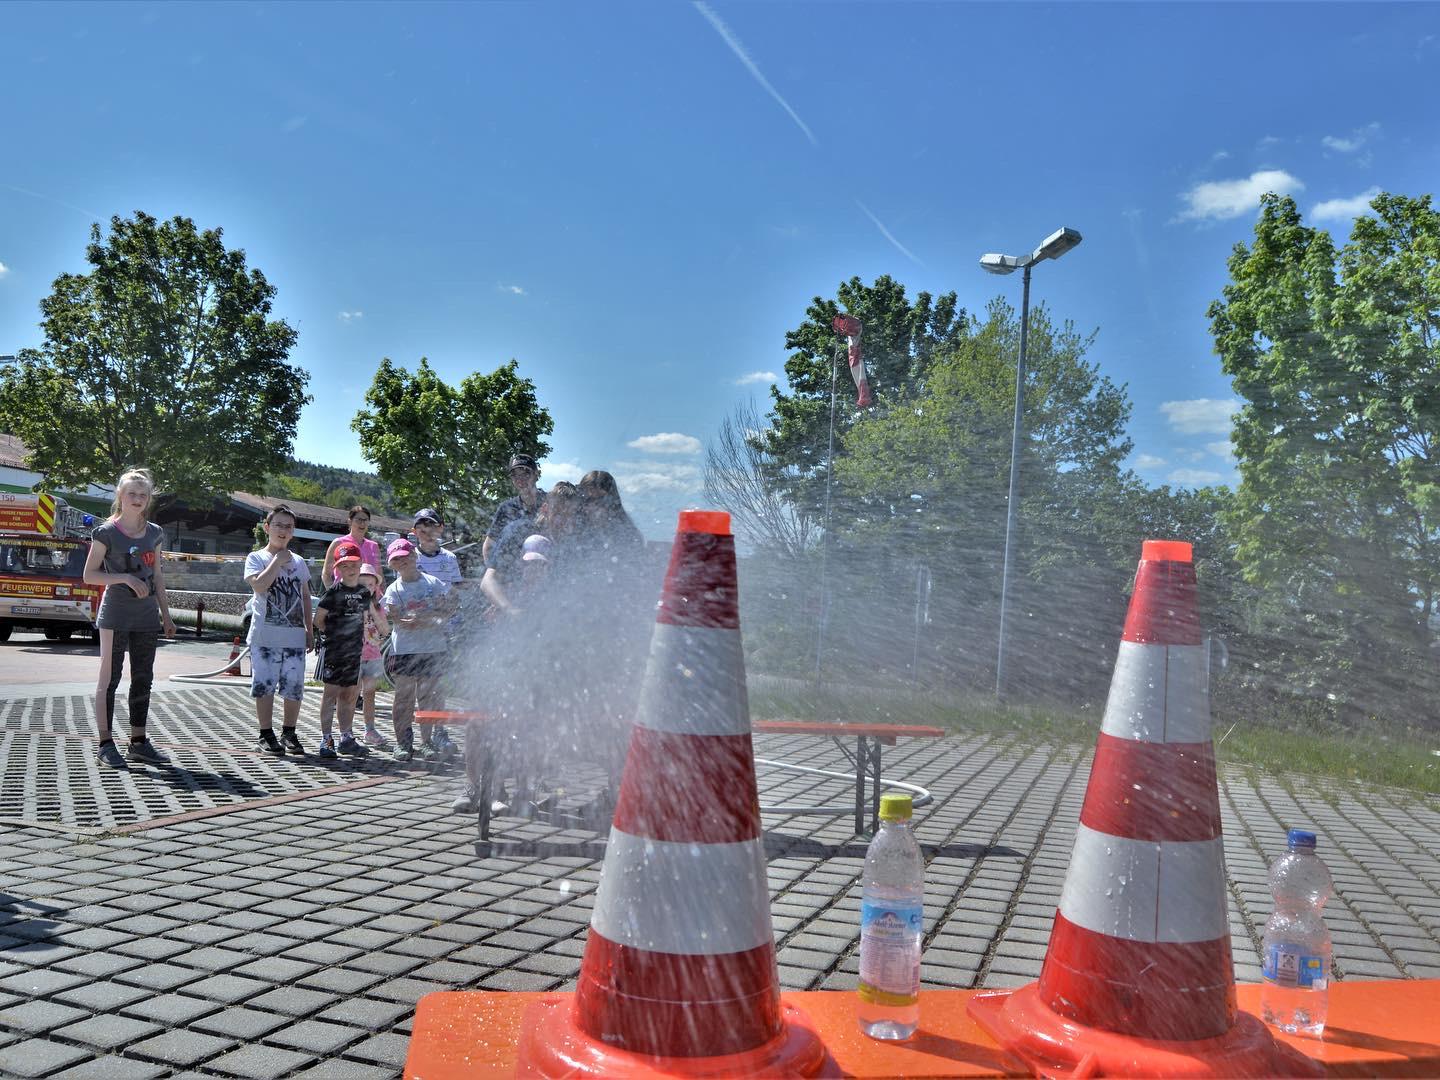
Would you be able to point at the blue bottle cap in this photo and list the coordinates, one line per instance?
(1300, 838)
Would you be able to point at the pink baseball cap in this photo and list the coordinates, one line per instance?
(366, 568)
(398, 549)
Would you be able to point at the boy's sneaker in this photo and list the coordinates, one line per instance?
(375, 740)
(270, 744)
(145, 752)
(405, 751)
(443, 744)
(466, 802)
(350, 747)
(292, 741)
(109, 754)
(327, 748)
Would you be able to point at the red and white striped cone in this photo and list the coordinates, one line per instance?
(234, 668)
(1138, 978)
(679, 974)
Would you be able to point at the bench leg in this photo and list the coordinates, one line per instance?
(862, 762)
(875, 752)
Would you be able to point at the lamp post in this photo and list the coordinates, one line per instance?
(1053, 246)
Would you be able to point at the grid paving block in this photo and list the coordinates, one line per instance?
(227, 988)
(319, 1036)
(172, 1010)
(340, 980)
(293, 1000)
(518, 980)
(260, 1062)
(38, 1057)
(109, 1067)
(108, 1031)
(40, 982)
(386, 1049)
(367, 1013)
(102, 996)
(342, 1069)
(160, 977)
(38, 1017)
(240, 1022)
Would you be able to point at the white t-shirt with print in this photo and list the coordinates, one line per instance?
(278, 615)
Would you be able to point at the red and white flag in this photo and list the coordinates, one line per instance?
(851, 328)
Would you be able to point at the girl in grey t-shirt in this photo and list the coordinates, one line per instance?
(125, 558)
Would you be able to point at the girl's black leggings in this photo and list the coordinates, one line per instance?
(140, 644)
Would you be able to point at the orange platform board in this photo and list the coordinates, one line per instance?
(1376, 1028)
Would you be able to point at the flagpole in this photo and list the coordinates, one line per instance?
(825, 523)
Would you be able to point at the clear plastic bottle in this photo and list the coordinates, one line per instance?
(891, 925)
(1295, 957)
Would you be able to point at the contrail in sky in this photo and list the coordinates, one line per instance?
(886, 233)
(36, 195)
(744, 57)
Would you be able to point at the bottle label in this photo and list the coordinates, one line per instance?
(890, 951)
(1291, 965)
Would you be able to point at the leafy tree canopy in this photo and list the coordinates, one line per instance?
(449, 446)
(164, 355)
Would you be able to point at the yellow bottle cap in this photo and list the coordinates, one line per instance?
(896, 807)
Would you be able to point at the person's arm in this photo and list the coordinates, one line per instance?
(262, 581)
(328, 570)
(93, 575)
(486, 548)
(167, 624)
(495, 592)
(382, 624)
(306, 613)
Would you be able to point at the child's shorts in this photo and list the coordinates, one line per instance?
(338, 669)
(372, 669)
(415, 665)
(277, 671)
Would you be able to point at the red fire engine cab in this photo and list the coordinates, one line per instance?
(43, 544)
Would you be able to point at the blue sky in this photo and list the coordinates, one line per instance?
(636, 201)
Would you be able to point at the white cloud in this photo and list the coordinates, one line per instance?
(1194, 477)
(556, 471)
(513, 290)
(652, 478)
(1200, 416)
(4, 270)
(1220, 155)
(295, 123)
(350, 316)
(1344, 209)
(1221, 448)
(1348, 144)
(1148, 461)
(888, 235)
(1192, 456)
(666, 442)
(1218, 200)
(757, 377)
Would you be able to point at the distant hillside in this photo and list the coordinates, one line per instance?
(327, 485)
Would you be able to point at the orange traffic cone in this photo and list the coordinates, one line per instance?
(1138, 979)
(679, 973)
(234, 668)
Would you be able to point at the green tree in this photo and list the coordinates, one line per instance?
(165, 355)
(449, 446)
(901, 340)
(295, 489)
(1336, 357)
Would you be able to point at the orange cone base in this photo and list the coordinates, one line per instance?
(553, 1046)
(1053, 1045)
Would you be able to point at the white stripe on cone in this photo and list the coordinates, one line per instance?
(1146, 890)
(694, 684)
(1160, 693)
(684, 898)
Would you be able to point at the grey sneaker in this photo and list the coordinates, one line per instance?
(465, 802)
(109, 754)
(145, 752)
(350, 747)
(405, 751)
(327, 749)
(270, 744)
(292, 742)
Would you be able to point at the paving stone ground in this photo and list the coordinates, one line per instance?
(294, 938)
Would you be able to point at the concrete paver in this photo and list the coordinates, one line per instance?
(294, 937)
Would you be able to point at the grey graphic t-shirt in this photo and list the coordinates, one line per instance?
(120, 608)
(278, 615)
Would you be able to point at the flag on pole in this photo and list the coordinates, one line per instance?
(851, 328)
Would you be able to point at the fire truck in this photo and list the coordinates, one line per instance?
(43, 544)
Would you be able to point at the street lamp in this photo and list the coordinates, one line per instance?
(1052, 247)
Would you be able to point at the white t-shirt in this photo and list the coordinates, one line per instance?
(443, 565)
(411, 598)
(278, 615)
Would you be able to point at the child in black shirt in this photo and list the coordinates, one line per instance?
(341, 616)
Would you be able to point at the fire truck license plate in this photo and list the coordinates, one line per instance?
(26, 609)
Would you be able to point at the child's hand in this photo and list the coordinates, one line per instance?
(138, 587)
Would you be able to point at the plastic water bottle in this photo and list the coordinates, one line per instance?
(1295, 959)
(891, 925)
